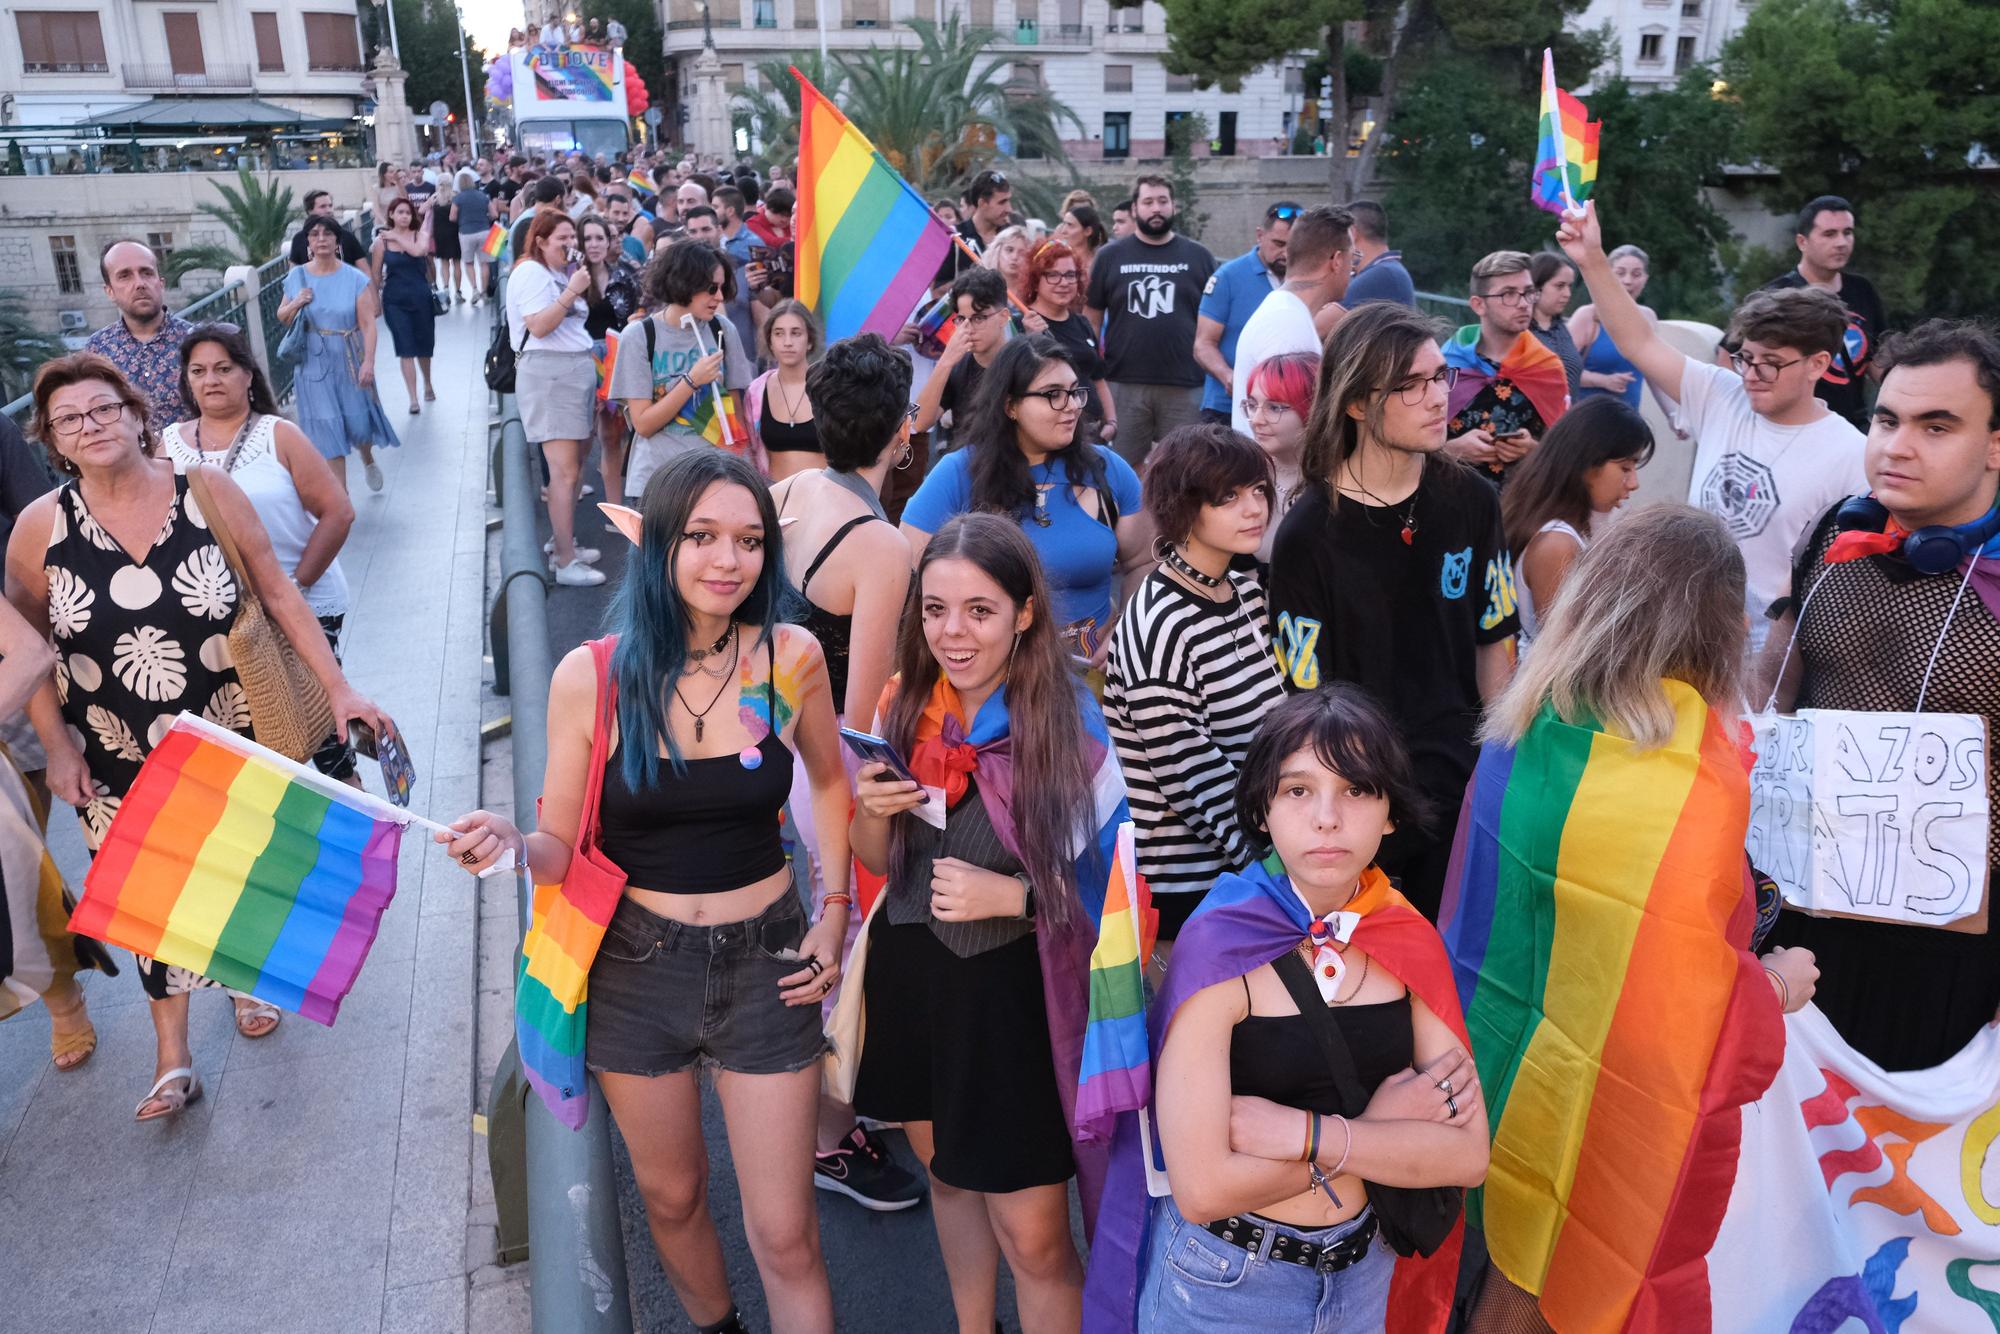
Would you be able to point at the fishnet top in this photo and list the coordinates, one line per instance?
(1868, 634)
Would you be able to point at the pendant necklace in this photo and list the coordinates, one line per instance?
(1409, 516)
(700, 717)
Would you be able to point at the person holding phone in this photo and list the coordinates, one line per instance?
(1498, 426)
(556, 383)
(672, 745)
(972, 985)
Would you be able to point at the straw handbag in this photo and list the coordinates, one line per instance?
(289, 710)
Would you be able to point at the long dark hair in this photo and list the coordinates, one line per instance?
(649, 618)
(1053, 799)
(1549, 483)
(231, 340)
(997, 468)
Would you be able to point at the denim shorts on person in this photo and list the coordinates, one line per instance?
(1197, 1283)
(664, 995)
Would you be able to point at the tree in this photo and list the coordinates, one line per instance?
(427, 46)
(1887, 102)
(259, 217)
(774, 106)
(23, 346)
(645, 43)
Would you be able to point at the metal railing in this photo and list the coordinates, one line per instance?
(1455, 310)
(1068, 34)
(215, 78)
(270, 295)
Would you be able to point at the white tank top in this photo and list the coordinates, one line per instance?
(265, 479)
(1525, 596)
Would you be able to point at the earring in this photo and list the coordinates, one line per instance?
(909, 454)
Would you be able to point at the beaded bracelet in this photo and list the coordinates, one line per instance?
(1784, 992)
(827, 901)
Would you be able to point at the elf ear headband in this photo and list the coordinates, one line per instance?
(1932, 550)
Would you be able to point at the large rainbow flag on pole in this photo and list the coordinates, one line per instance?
(1598, 917)
(229, 860)
(868, 244)
(1566, 155)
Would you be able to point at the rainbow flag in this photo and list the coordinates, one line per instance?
(1598, 917)
(231, 861)
(1116, 1074)
(495, 244)
(639, 180)
(716, 415)
(605, 363)
(868, 244)
(1566, 154)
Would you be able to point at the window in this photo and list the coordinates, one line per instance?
(55, 42)
(1180, 83)
(1132, 18)
(864, 13)
(764, 13)
(1117, 78)
(1295, 78)
(805, 14)
(332, 42)
(1225, 139)
(1649, 48)
(270, 55)
(184, 41)
(69, 278)
(162, 245)
(1690, 9)
(732, 76)
(982, 13)
(1683, 53)
(1027, 76)
(1117, 134)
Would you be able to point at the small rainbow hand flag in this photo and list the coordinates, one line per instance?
(495, 244)
(233, 862)
(604, 365)
(1566, 156)
(719, 420)
(639, 180)
(1116, 1075)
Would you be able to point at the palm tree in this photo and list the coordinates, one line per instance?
(773, 106)
(23, 346)
(258, 215)
(940, 112)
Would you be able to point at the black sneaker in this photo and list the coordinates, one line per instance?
(863, 1170)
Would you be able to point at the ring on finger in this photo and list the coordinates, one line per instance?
(1445, 1085)
(1451, 1104)
(815, 965)
(468, 857)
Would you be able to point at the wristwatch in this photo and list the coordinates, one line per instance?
(1027, 897)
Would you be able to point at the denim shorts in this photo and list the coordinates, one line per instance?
(1197, 1283)
(664, 995)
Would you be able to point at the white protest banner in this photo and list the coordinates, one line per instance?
(1864, 1201)
(1876, 815)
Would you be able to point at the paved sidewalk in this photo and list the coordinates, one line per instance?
(330, 1178)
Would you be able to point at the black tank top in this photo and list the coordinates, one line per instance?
(782, 437)
(834, 633)
(1274, 1055)
(711, 829)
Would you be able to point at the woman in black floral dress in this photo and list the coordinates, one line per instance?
(140, 638)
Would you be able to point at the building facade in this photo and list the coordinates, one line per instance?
(1659, 40)
(1105, 64)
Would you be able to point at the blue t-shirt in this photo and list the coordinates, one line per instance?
(1384, 280)
(1079, 553)
(1232, 296)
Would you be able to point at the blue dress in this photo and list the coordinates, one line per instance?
(334, 411)
(1604, 358)
(406, 304)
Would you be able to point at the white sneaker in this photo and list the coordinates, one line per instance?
(585, 555)
(578, 575)
(374, 476)
(586, 490)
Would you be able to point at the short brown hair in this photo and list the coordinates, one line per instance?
(1804, 319)
(1199, 465)
(1318, 234)
(77, 368)
(1151, 178)
(1499, 264)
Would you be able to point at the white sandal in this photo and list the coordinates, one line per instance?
(176, 1102)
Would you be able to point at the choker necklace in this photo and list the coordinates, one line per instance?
(700, 718)
(1175, 561)
(697, 656)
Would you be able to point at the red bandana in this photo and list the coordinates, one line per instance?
(1858, 543)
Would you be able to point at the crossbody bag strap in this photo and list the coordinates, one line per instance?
(588, 823)
(217, 525)
(1297, 977)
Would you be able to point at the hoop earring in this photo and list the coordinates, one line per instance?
(1161, 546)
(909, 456)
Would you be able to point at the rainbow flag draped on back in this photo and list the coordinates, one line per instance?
(1598, 916)
(1117, 1068)
(868, 244)
(642, 181)
(495, 244)
(1566, 154)
(228, 860)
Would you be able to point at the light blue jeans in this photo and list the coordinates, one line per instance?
(1197, 1283)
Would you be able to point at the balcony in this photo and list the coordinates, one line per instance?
(216, 79)
(683, 25)
(1067, 34)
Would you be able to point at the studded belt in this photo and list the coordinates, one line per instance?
(1326, 1258)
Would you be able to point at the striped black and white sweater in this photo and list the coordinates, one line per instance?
(1186, 685)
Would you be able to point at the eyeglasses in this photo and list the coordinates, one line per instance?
(70, 423)
(911, 413)
(1761, 371)
(1060, 276)
(1076, 395)
(1253, 407)
(1416, 389)
(1282, 212)
(1510, 296)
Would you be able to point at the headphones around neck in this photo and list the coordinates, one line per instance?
(1932, 550)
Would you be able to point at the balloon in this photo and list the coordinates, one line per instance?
(500, 79)
(637, 98)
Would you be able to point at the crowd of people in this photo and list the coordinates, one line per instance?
(1250, 553)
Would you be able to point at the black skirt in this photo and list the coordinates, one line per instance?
(964, 1044)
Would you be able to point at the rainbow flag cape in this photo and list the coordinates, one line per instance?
(233, 862)
(1566, 154)
(868, 244)
(1598, 915)
(495, 244)
(639, 180)
(1117, 1068)
(604, 364)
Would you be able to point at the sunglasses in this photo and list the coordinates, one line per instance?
(1282, 212)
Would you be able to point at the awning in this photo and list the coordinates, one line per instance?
(211, 113)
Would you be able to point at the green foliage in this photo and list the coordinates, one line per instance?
(1220, 41)
(23, 346)
(427, 46)
(774, 105)
(1884, 101)
(1182, 135)
(259, 216)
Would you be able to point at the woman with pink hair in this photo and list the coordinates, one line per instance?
(1277, 399)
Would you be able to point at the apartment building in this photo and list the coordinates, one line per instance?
(1104, 63)
(1658, 40)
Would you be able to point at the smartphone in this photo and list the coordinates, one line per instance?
(762, 254)
(399, 776)
(871, 749)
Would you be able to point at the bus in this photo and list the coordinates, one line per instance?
(570, 99)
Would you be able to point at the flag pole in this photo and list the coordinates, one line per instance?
(1554, 108)
(690, 323)
(308, 776)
